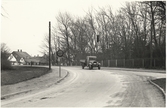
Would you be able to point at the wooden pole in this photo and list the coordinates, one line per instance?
(60, 68)
(49, 45)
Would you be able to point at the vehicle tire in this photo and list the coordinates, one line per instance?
(99, 67)
(90, 67)
(83, 66)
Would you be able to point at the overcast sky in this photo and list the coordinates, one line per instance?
(26, 22)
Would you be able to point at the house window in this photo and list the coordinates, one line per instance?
(21, 60)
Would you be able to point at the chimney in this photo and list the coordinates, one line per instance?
(18, 50)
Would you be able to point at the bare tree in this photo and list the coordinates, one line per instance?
(4, 12)
(136, 31)
(64, 23)
(5, 52)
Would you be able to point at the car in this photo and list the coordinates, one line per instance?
(90, 62)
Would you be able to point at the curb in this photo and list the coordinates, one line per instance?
(26, 91)
(59, 79)
(163, 92)
(12, 94)
(137, 70)
(63, 77)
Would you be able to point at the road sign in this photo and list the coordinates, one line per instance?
(59, 53)
(59, 59)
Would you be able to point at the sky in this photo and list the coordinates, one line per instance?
(26, 22)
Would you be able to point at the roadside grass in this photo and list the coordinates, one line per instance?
(161, 82)
(21, 73)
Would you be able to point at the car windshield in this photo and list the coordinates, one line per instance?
(92, 58)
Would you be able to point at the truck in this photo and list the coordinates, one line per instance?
(90, 62)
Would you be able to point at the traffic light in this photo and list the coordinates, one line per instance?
(98, 38)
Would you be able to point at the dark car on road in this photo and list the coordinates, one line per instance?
(90, 62)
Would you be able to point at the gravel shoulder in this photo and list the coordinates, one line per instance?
(155, 76)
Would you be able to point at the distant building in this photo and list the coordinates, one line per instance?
(37, 61)
(23, 58)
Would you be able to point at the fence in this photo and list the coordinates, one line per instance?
(131, 63)
(134, 63)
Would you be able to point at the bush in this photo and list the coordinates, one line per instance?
(5, 63)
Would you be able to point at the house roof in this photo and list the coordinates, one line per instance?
(32, 60)
(19, 54)
(36, 59)
(27, 58)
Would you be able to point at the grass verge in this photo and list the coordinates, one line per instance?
(161, 82)
(21, 73)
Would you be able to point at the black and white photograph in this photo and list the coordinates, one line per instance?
(83, 53)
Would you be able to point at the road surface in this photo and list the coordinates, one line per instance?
(96, 88)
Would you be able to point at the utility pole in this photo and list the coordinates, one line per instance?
(151, 56)
(49, 45)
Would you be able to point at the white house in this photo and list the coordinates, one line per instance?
(18, 57)
(23, 58)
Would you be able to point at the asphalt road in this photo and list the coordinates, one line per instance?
(97, 88)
